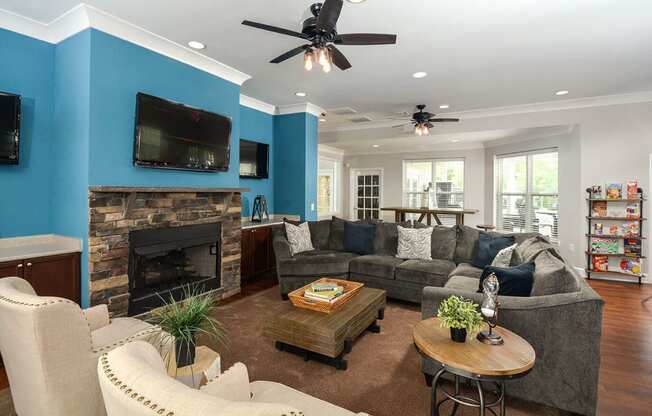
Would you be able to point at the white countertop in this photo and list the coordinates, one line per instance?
(274, 219)
(19, 248)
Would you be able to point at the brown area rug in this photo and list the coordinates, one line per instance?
(383, 377)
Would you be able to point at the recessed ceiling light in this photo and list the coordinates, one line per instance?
(356, 1)
(375, 145)
(300, 94)
(444, 106)
(562, 92)
(455, 140)
(196, 45)
(322, 120)
(420, 74)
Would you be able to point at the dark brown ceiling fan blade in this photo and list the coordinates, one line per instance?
(289, 54)
(400, 125)
(365, 39)
(339, 59)
(430, 125)
(329, 14)
(274, 29)
(444, 120)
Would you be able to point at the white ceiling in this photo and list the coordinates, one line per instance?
(478, 54)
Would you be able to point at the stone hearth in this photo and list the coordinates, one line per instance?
(114, 211)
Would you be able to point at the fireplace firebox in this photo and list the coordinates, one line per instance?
(165, 263)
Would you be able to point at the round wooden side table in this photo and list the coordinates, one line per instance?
(475, 361)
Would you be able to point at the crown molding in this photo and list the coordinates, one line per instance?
(83, 16)
(24, 25)
(559, 105)
(300, 108)
(257, 104)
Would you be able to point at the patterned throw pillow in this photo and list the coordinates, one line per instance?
(298, 237)
(414, 243)
(504, 257)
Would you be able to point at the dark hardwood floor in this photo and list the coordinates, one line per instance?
(626, 368)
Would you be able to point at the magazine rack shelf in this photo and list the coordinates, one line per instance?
(625, 232)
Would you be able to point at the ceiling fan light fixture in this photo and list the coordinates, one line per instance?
(323, 56)
(308, 60)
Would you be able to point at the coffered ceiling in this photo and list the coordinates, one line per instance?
(478, 54)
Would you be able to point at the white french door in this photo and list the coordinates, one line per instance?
(366, 193)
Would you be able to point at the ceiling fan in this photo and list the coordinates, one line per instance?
(321, 33)
(422, 121)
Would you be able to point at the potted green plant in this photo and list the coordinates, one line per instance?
(182, 321)
(461, 316)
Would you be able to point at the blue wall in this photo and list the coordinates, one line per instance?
(26, 67)
(258, 127)
(71, 143)
(295, 147)
(119, 70)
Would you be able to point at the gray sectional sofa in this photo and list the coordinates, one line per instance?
(562, 318)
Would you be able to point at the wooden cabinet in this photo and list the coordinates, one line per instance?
(257, 252)
(50, 276)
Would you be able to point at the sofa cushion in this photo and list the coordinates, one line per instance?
(374, 265)
(414, 243)
(425, 272)
(443, 243)
(466, 238)
(529, 249)
(552, 276)
(487, 246)
(504, 257)
(386, 239)
(336, 234)
(319, 233)
(467, 270)
(359, 238)
(298, 237)
(466, 284)
(321, 263)
(514, 281)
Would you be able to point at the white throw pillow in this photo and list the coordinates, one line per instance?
(232, 385)
(414, 243)
(298, 237)
(504, 257)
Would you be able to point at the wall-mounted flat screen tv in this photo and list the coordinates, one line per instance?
(170, 135)
(254, 159)
(9, 128)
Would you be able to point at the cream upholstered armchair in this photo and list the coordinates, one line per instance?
(50, 348)
(134, 382)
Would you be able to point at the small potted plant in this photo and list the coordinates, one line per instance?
(182, 321)
(461, 316)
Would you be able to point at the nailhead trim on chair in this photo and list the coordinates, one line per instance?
(128, 339)
(35, 305)
(110, 375)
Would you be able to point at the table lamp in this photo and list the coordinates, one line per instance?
(489, 309)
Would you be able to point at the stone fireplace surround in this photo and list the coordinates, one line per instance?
(114, 211)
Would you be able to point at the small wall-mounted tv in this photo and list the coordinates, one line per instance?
(254, 159)
(9, 128)
(170, 135)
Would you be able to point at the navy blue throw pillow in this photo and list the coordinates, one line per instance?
(514, 281)
(359, 238)
(487, 247)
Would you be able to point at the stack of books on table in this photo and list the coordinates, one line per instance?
(325, 292)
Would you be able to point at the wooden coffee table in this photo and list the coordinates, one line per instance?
(475, 361)
(327, 337)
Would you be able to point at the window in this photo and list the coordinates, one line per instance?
(327, 179)
(434, 183)
(527, 193)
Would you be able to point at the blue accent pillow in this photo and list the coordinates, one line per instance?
(359, 238)
(487, 247)
(514, 281)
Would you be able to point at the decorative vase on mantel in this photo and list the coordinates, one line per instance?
(458, 334)
(185, 352)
